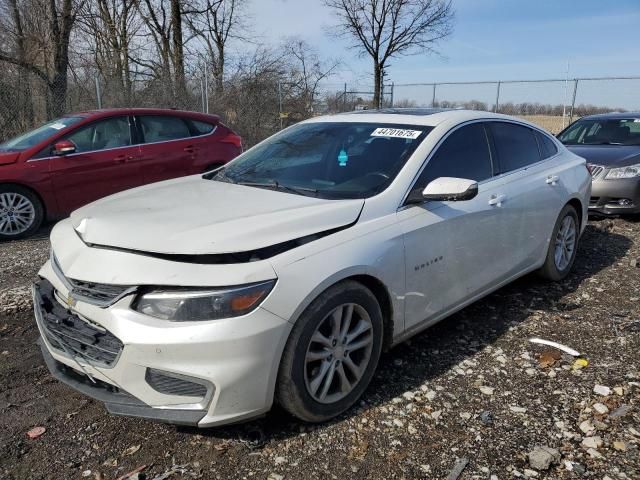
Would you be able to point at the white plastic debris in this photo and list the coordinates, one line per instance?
(559, 346)
(602, 390)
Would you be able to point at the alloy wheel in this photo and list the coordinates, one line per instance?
(338, 353)
(565, 243)
(17, 213)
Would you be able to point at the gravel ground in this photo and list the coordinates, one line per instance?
(470, 392)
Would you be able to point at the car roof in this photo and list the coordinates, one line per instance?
(612, 116)
(416, 116)
(109, 112)
(401, 111)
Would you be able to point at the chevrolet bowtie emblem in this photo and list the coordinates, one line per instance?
(71, 302)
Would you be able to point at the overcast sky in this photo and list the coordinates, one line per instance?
(492, 39)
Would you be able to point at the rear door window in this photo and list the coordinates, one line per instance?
(516, 146)
(162, 128)
(463, 154)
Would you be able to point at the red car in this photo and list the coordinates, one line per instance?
(52, 170)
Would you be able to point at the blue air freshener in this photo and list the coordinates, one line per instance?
(342, 158)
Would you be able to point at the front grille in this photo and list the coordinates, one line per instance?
(69, 334)
(596, 170)
(99, 294)
(169, 384)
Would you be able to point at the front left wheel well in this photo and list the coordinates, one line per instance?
(381, 293)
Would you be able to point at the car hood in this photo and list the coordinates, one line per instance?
(608, 155)
(8, 157)
(195, 216)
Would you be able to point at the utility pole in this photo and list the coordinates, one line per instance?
(280, 102)
(98, 93)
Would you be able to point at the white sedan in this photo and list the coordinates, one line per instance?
(284, 275)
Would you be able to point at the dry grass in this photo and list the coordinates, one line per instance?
(548, 122)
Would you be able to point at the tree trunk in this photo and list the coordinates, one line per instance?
(61, 27)
(377, 83)
(178, 51)
(218, 72)
(57, 105)
(24, 94)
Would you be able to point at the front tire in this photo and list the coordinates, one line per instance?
(21, 212)
(562, 246)
(331, 354)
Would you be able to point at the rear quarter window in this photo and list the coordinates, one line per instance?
(516, 146)
(200, 128)
(547, 146)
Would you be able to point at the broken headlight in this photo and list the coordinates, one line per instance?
(186, 305)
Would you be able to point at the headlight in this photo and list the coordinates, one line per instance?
(185, 305)
(624, 172)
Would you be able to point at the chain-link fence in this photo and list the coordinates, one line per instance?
(26, 101)
(258, 106)
(551, 103)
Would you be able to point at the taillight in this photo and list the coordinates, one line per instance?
(233, 139)
(589, 168)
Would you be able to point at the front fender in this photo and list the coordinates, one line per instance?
(304, 273)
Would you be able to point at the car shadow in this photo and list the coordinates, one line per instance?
(43, 232)
(406, 367)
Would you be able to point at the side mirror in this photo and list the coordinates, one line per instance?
(64, 147)
(450, 189)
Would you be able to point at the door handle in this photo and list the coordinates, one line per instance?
(552, 179)
(124, 158)
(189, 149)
(496, 200)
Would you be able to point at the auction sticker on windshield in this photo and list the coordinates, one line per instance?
(396, 133)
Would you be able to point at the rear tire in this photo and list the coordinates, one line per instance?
(21, 212)
(562, 246)
(331, 354)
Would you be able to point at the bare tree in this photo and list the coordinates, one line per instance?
(15, 28)
(252, 94)
(215, 22)
(49, 39)
(110, 26)
(306, 72)
(178, 47)
(164, 23)
(384, 29)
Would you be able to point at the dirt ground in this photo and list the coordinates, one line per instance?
(471, 388)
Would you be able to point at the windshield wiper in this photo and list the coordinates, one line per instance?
(218, 175)
(279, 186)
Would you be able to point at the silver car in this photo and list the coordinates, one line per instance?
(611, 145)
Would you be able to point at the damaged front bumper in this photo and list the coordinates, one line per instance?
(116, 401)
(192, 373)
(90, 347)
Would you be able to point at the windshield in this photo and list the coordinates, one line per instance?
(38, 135)
(603, 132)
(327, 160)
